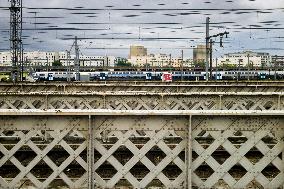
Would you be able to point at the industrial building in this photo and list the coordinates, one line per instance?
(136, 50)
(199, 54)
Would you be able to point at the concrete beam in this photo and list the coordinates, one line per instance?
(140, 112)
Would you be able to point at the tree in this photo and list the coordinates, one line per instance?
(123, 63)
(199, 64)
(56, 63)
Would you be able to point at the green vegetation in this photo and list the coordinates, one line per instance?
(227, 66)
(123, 63)
(199, 64)
(56, 63)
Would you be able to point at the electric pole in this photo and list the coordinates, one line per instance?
(239, 67)
(216, 76)
(207, 47)
(211, 58)
(248, 66)
(209, 44)
(181, 64)
(16, 23)
(77, 59)
(68, 66)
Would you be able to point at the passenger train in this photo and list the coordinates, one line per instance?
(156, 76)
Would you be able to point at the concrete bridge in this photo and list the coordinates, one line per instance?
(142, 135)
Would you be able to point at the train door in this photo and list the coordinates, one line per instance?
(219, 76)
(103, 76)
(167, 77)
(148, 76)
(50, 77)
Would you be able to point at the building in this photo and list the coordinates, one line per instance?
(277, 61)
(256, 59)
(153, 60)
(38, 58)
(35, 58)
(159, 60)
(5, 59)
(137, 51)
(199, 54)
(93, 61)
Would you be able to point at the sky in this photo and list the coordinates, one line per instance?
(109, 27)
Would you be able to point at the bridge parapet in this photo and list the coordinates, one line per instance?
(182, 137)
(143, 101)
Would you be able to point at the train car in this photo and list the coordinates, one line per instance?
(157, 75)
(53, 76)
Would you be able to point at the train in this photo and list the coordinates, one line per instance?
(158, 75)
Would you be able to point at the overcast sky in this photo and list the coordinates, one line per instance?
(163, 26)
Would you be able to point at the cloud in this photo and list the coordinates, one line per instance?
(111, 26)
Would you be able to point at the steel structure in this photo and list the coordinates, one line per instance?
(144, 101)
(151, 87)
(77, 59)
(87, 138)
(16, 15)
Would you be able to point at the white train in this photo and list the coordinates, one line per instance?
(156, 76)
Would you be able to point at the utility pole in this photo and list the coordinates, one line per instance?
(207, 47)
(239, 67)
(16, 23)
(77, 59)
(248, 67)
(181, 65)
(216, 76)
(170, 62)
(68, 66)
(209, 44)
(211, 58)
(22, 62)
(275, 72)
(46, 63)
